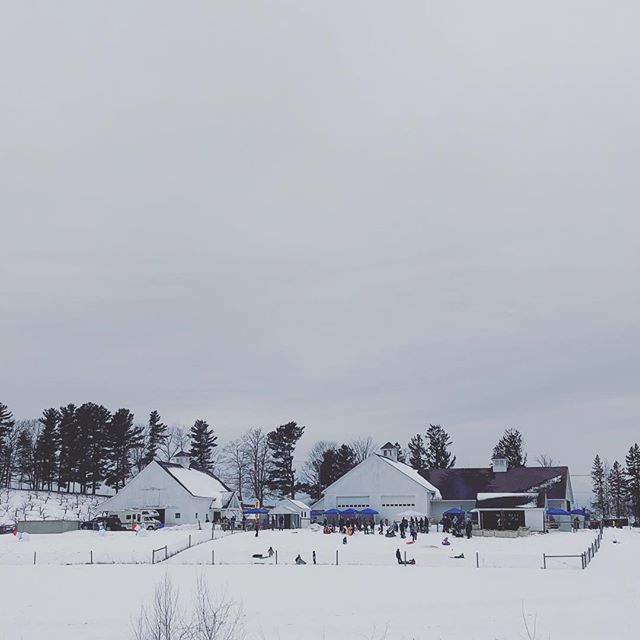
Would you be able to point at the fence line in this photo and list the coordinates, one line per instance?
(585, 557)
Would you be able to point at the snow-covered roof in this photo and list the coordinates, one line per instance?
(413, 474)
(489, 496)
(299, 504)
(282, 510)
(198, 483)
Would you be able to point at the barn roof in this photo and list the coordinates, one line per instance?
(197, 481)
(411, 473)
(466, 484)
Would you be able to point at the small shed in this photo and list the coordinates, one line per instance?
(291, 514)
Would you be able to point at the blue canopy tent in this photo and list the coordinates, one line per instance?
(256, 511)
(557, 512)
(332, 512)
(317, 512)
(579, 512)
(349, 512)
(454, 511)
(368, 511)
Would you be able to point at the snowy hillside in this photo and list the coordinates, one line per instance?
(24, 504)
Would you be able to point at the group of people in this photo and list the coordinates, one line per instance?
(457, 526)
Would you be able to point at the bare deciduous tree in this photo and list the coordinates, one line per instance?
(177, 440)
(363, 448)
(234, 465)
(259, 462)
(545, 460)
(207, 619)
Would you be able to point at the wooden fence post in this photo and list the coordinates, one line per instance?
(276, 556)
(337, 558)
(189, 541)
(91, 557)
(544, 560)
(34, 557)
(213, 556)
(477, 560)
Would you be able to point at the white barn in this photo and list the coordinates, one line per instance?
(181, 492)
(382, 483)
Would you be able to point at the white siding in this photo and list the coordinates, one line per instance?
(376, 481)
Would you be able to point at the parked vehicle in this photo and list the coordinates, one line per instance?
(144, 518)
(108, 522)
(7, 528)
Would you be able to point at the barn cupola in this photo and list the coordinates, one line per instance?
(499, 464)
(183, 459)
(389, 451)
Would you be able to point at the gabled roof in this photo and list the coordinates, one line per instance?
(389, 446)
(181, 454)
(197, 481)
(411, 473)
(466, 484)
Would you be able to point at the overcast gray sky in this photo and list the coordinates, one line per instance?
(364, 216)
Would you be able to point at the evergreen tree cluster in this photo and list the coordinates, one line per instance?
(76, 448)
(616, 488)
(431, 451)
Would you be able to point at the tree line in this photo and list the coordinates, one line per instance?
(616, 488)
(78, 448)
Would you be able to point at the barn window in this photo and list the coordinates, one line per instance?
(177, 516)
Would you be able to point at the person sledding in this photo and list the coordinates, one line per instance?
(460, 556)
(264, 556)
(445, 541)
(401, 561)
(299, 560)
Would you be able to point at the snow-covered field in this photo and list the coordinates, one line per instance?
(451, 601)
(81, 547)
(378, 550)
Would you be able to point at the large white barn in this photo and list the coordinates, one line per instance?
(381, 483)
(502, 497)
(181, 492)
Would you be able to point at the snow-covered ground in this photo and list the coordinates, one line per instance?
(378, 550)
(80, 547)
(451, 601)
(24, 504)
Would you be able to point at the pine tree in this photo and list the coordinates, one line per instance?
(92, 435)
(203, 442)
(156, 436)
(7, 424)
(24, 456)
(98, 438)
(438, 455)
(69, 452)
(46, 449)
(598, 479)
(511, 448)
(632, 473)
(122, 437)
(402, 456)
(617, 490)
(345, 460)
(282, 443)
(328, 473)
(418, 453)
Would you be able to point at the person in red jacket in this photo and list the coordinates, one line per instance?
(257, 527)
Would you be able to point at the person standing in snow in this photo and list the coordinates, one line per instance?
(257, 527)
(468, 528)
(313, 556)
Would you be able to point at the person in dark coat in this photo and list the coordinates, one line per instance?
(257, 527)
(468, 528)
(399, 556)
